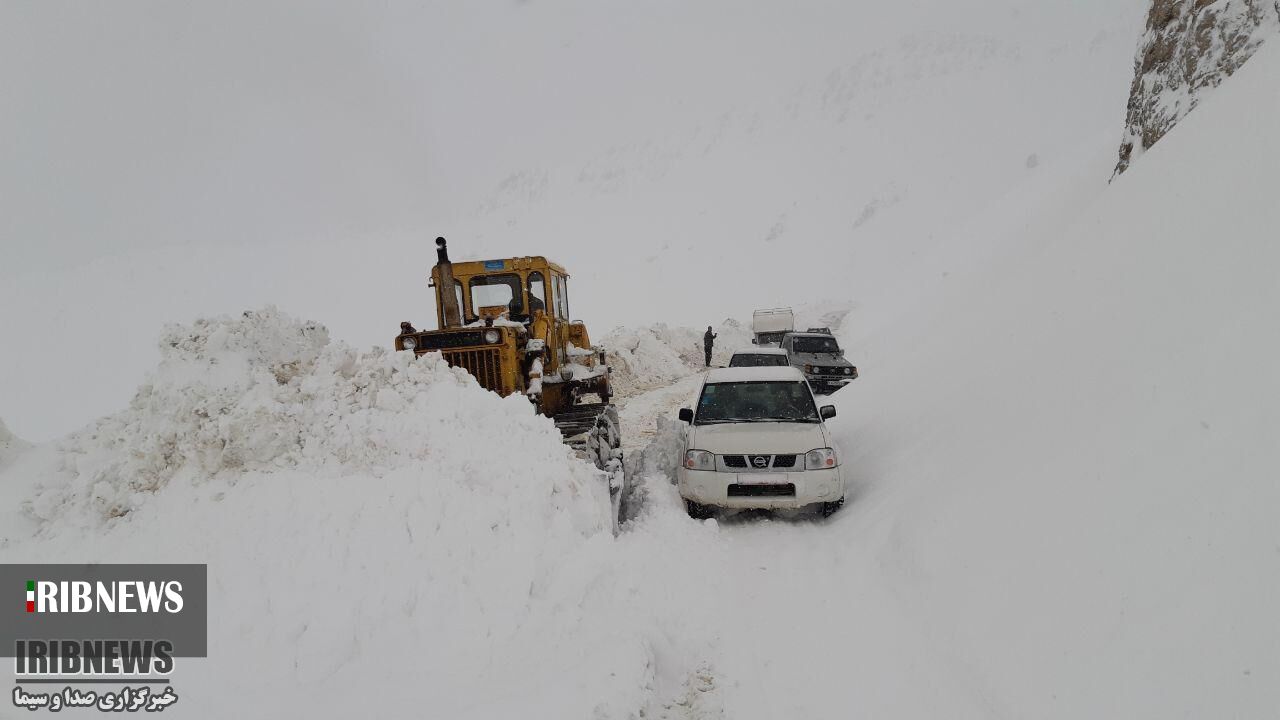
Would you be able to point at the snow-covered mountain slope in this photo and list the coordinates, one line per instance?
(1062, 446)
(686, 161)
(1068, 462)
(1064, 461)
(1064, 493)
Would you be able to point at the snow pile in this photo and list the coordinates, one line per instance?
(641, 361)
(655, 461)
(399, 525)
(656, 356)
(261, 392)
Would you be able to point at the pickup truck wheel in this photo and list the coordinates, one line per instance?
(829, 508)
(698, 511)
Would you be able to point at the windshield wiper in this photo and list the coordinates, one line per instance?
(778, 418)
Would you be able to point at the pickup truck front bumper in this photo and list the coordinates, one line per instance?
(773, 490)
(827, 384)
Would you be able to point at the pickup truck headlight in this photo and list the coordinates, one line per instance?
(820, 459)
(409, 343)
(808, 369)
(699, 460)
(848, 371)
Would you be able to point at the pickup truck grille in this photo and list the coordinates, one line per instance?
(832, 370)
(758, 463)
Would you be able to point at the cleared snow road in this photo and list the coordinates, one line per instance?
(765, 616)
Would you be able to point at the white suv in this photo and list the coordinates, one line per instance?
(757, 440)
(760, 357)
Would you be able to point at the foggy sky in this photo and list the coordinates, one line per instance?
(687, 161)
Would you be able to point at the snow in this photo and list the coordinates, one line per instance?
(657, 356)
(382, 508)
(1067, 461)
(802, 151)
(499, 321)
(258, 392)
(10, 445)
(1063, 460)
(535, 373)
(1062, 443)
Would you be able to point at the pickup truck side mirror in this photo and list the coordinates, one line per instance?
(687, 415)
(827, 411)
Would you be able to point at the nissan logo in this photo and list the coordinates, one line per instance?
(760, 461)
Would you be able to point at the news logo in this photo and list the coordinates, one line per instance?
(96, 624)
(80, 596)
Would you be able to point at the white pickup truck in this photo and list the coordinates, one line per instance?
(757, 439)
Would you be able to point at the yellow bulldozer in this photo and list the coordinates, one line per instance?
(507, 323)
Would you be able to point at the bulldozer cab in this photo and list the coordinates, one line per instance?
(507, 323)
(512, 288)
(529, 291)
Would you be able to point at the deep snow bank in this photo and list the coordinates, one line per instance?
(645, 358)
(263, 391)
(396, 522)
(1067, 463)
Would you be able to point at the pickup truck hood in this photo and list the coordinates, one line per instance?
(773, 438)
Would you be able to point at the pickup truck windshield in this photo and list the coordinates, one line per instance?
(757, 360)
(772, 401)
(815, 345)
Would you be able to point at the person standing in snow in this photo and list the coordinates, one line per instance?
(708, 341)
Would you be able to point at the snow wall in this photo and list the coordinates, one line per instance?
(369, 520)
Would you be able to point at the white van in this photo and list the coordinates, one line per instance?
(757, 439)
(770, 324)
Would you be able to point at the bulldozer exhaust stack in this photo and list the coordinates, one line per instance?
(448, 300)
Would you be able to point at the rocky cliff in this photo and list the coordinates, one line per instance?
(1189, 46)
